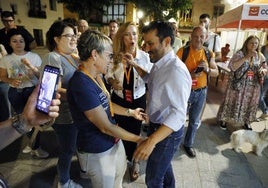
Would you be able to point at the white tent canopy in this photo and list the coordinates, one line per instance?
(248, 15)
(253, 15)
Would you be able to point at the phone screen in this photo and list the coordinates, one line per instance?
(47, 88)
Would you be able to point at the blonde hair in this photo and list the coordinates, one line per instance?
(118, 43)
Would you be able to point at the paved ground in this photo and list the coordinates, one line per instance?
(216, 164)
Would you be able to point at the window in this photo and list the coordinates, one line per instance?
(185, 19)
(38, 35)
(117, 11)
(53, 5)
(35, 9)
(35, 5)
(218, 10)
(14, 8)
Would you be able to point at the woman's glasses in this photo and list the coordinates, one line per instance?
(7, 21)
(70, 36)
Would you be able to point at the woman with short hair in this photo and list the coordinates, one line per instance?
(98, 140)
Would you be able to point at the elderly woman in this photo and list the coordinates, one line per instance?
(129, 88)
(98, 140)
(248, 69)
(61, 42)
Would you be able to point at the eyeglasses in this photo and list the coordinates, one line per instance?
(110, 54)
(70, 36)
(7, 21)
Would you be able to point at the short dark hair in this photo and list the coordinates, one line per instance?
(113, 21)
(72, 21)
(164, 29)
(55, 30)
(203, 16)
(6, 14)
(13, 32)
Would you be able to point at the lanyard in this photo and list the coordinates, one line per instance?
(70, 61)
(98, 81)
(127, 73)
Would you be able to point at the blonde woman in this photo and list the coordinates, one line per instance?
(128, 87)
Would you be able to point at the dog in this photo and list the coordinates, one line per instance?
(259, 140)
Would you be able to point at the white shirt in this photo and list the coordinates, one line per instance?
(210, 41)
(16, 69)
(169, 87)
(177, 44)
(143, 60)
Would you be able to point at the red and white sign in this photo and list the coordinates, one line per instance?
(250, 15)
(255, 12)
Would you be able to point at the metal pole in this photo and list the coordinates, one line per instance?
(238, 30)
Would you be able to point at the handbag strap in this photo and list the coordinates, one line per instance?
(238, 79)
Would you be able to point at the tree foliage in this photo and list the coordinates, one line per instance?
(85, 8)
(152, 8)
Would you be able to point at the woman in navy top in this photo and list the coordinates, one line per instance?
(97, 142)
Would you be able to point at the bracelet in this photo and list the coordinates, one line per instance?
(128, 112)
(19, 124)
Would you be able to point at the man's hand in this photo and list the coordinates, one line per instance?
(146, 147)
(144, 150)
(33, 117)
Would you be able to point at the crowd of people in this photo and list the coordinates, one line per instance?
(109, 86)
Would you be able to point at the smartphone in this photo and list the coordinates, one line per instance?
(48, 87)
(198, 69)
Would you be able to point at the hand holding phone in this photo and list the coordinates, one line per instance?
(47, 88)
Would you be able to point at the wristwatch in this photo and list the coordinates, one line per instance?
(19, 124)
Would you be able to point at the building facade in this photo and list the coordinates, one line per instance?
(35, 15)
